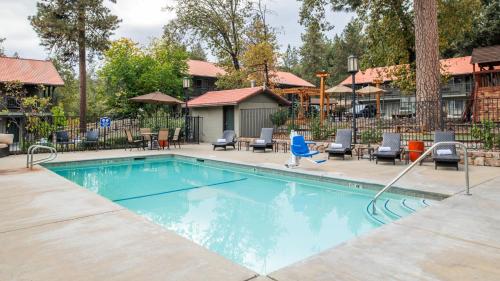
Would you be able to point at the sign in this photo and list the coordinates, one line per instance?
(105, 122)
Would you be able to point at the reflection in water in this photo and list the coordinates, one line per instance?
(261, 222)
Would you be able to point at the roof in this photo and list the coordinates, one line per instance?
(489, 54)
(453, 66)
(204, 68)
(288, 78)
(233, 97)
(29, 71)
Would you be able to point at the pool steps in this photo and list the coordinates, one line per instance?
(392, 209)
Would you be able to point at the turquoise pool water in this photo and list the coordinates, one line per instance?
(261, 221)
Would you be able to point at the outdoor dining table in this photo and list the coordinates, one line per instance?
(152, 135)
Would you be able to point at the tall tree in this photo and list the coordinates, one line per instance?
(313, 51)
(75, 30)
(427, 63)
(2, 49)
(290, 60)
(196, 52)
(220, 23)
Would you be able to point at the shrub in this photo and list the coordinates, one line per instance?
(484, 132)
(279, 118)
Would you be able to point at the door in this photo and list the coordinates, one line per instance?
(228, 117)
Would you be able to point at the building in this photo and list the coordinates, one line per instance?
(455, 92)
(228, 110)
(204, 75)
(31, 74)
(486, 70)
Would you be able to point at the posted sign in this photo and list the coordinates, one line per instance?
(105, 122)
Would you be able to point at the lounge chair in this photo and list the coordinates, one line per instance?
(6, 141)
(265, 141)
(131, 142)
(62, 139)
(176, 138)
(342, 144)
(92, 139)
(227, 139)
(163, 139)
(390, 150)
(446, 154)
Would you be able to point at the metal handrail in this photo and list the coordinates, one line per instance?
(427, 152)
(31, 151)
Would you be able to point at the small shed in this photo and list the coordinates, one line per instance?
(222, 110)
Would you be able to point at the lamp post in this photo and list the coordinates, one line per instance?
(352, 67)
(186, 84)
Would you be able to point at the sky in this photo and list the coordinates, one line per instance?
(141, 21)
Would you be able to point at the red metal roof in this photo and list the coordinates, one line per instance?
(233, 97)
(29, 71)
(290, 79)
(453, 66)
(204, 68)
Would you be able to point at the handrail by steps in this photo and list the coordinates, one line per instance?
(427, 152)
(31, 151)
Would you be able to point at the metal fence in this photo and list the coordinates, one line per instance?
(65, 133)
(414, 120)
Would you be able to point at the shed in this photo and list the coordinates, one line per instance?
(224, 110)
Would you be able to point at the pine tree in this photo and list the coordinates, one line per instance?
(197, 52)
(290, 60)
(75, 31)
(313, 51)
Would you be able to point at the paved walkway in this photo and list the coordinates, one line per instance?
(52, 230)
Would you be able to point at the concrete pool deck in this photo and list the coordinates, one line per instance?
(43, 237)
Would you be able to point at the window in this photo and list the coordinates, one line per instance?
(198, 83)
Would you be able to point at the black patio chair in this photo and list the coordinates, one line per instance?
(393, 142)
(445, 154)
(265, 141)
(229, 140)
(92, 139)
(342, 145)
(62, 140)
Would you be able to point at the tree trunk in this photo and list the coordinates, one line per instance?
(82, 68)
(236, 61)
(427, 64)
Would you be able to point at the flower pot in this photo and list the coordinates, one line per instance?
(416, 148)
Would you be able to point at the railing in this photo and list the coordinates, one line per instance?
(427, 152)
(31, 151)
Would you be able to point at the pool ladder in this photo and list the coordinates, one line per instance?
(427, 152)
(31, 151)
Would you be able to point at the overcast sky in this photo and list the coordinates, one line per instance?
(141, 20)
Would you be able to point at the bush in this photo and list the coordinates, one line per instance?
(484, 132)
(279, 118)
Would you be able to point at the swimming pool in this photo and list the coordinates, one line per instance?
(261, 220)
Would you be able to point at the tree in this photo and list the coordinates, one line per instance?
(220, 23)
(427, 64)
(129, 71)
(313, 51)
(2, 49)
(67, 95)
(196, 52)
(290, 60)
(75, 31)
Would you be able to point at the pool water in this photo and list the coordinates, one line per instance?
(260, 220)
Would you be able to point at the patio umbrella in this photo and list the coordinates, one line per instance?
(373, 90)
(339, 89)
(157, 98)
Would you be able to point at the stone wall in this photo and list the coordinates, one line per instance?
(482, 158)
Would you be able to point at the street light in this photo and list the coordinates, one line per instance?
(186, 84)
(352, 67)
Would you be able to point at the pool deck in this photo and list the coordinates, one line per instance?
(52, 230)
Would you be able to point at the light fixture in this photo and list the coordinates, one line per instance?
(352, 64)
(186, 82)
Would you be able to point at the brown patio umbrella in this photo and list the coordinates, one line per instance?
(372, 90)
(157, 98)
(339, 89)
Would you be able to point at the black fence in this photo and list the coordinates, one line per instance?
(65, 133)
(475, 123)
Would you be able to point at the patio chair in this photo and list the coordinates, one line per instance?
(446, 154)
(92, 139)
(342, 144)
(390, 150)
(62, 139)
(227, 139)
(131, 142)
(265, 141)
(163, 139)
(176, 138)
(6, 140)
